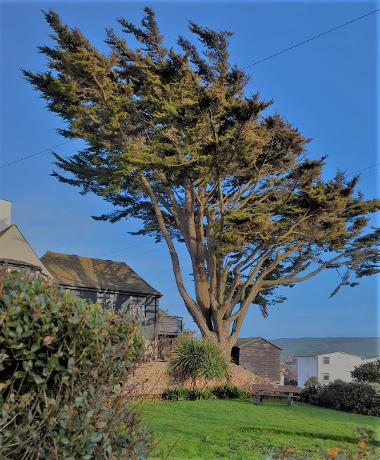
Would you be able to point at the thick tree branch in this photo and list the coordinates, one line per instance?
(291, 280)
(191, 304)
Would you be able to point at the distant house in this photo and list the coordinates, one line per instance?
(259, 356)
(114, 285)
(15, 251)
(328, 367)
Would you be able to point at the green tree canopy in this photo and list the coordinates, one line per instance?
(367, 372)
(173, 139)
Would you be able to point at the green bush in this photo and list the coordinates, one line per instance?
(361, 398)
(61, 365)
(218, 392)
(367, 372)
(228, 391)
(358, 397)
(309, 393)
(175, 394)
(186, 394)
(199, 393)
(194, 359)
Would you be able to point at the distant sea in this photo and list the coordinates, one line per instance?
(369, 347)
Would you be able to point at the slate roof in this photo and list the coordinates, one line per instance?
(85, 272)
(245, 341)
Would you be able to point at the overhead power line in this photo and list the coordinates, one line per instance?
(363, 172)
(296, 45)
(369, 167)
(27, 157)
(122, 249)
(32, 155)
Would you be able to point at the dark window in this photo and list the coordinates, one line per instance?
(326, 360)
(326, 377)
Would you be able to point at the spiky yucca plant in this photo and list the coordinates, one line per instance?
(194, 358)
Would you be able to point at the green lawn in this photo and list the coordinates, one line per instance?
(241, 430)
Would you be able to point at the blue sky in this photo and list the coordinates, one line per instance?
(327, 88)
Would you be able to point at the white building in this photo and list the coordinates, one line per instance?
(328, 367)
(15, 251)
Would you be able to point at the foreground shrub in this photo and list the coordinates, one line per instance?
(228, 391)
(367, 372)
(61, 365)
(194, 359)
(361, 398)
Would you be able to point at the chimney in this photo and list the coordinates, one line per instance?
(5, 214)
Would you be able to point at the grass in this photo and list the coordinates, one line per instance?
(228, 429)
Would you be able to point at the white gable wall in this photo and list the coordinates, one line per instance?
(328, 367)
(339, 367)
(13, 246)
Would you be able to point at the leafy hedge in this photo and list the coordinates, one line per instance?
(219, 392)
(357, 397)
(228, 391)
(61, 365)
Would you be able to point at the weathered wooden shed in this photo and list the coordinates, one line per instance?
(259, 356)
(114, 285)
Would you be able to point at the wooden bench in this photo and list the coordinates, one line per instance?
(275, 391)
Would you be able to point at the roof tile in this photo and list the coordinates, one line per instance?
(85, 272)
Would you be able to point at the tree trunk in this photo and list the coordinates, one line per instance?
(221, 339)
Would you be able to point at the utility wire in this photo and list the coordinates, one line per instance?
(296, 45)
(27, 157)
(246, 67)
(359, 172)
(368, 167)
(123, 249)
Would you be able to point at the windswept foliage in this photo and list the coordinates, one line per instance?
(173, 139)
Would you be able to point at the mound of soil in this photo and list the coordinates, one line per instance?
(151, 379)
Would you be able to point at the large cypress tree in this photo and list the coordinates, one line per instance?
(173, 139)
